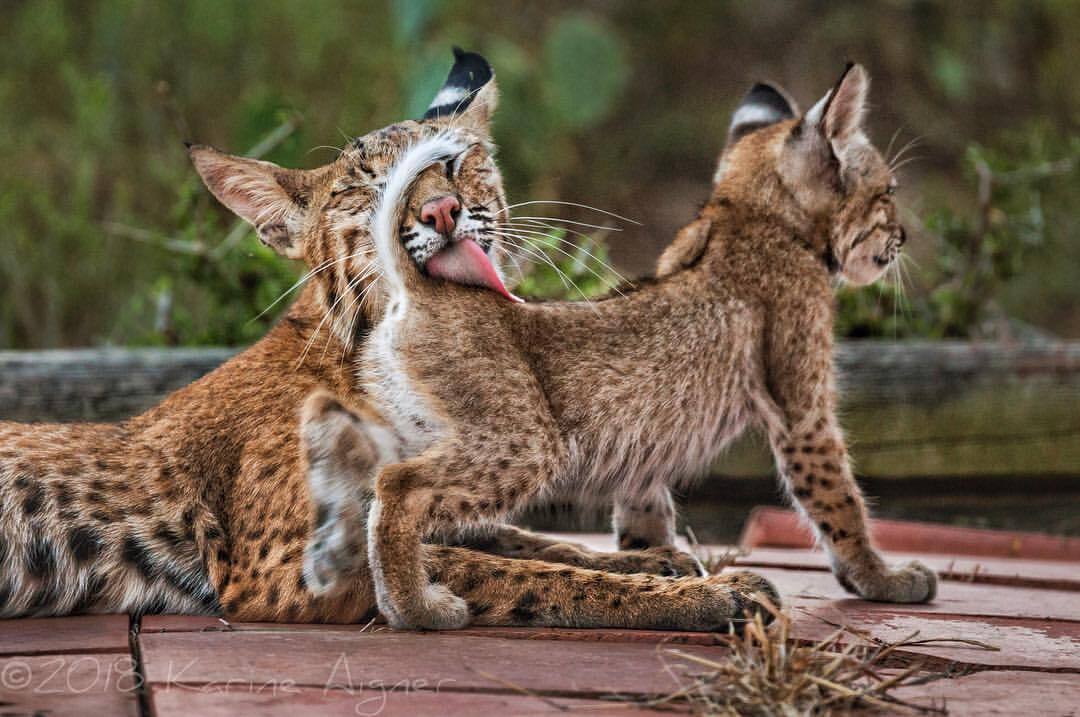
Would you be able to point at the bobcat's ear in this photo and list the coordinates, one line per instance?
(763, 105)
(839, 114)
(270, 198)
(469, 96)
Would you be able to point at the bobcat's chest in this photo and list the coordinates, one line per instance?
(388, 381)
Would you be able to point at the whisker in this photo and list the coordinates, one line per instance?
(909, 159)
(570, 204)
(339, 150)
(517, 268)
(524, 237)
(512, 241)
(891, 140)
(536, 224)
(910, 145)
(329, 312)
(359, 302)
(575, 223)
(349, 288)
(322, 267)
(586, 237)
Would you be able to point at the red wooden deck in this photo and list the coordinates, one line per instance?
(1029, 609)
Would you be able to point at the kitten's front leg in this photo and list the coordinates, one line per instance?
(816, 470)
(452, 486)
(811, 457)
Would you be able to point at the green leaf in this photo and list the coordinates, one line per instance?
(586, 70)
(411, 17)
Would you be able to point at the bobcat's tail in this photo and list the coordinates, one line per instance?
(394, 260)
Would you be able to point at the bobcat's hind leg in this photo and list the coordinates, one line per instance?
(341, 449)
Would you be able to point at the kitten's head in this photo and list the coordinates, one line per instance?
(820, 172)
(323, 216)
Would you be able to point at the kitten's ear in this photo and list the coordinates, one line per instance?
(763, 105)
(270, 198)
(839, 114)
(469, 95)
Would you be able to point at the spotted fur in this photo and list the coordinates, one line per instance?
(223, 499)
(650, 384)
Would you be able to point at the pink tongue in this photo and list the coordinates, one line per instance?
(464, 262)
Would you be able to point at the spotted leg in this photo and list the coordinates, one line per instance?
(810, 454)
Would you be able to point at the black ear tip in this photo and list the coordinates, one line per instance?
(848, 67)
(188, 145)
(471, 62)
(765, 94)
(469, 73)
(763, 90)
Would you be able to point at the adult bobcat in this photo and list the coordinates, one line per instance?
(201, 504)
(642, 387)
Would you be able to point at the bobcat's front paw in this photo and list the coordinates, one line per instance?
(439, 609)
(736, 598)
(909, 583)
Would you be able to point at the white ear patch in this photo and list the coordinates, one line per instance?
(449, 97)
(813, 116)
(753, 114)
(763, 105)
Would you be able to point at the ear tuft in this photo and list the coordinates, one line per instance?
(467, 77)
(840, 113)
(762, 106)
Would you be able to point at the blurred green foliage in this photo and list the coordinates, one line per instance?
(557, 268)
(1023, 215)
(107, 236)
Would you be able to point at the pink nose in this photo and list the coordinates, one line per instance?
(441, 213)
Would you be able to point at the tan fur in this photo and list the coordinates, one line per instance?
(624, 394)
(210, 502)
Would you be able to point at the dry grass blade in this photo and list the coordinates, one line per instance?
(770, 673)
(712, 562)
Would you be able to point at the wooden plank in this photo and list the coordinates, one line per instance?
(96, 384)
(1051, 575)
(402, 700)
(83, 633)
(322, 658)
(775, 527)
(818, 589)
(1022, 644)
(1001, 693)
(1023, 572)
(74, 684)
